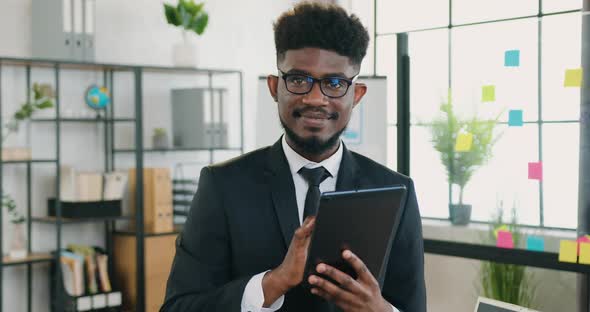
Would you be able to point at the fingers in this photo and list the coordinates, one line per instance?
(329, 291)
(306, 228)
(360, 268)
(344, 280)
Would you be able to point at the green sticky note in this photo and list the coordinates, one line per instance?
(488, 93)
(573, 78)
(568, 251)
(464, 142)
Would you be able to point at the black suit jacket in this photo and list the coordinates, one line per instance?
(241, 223)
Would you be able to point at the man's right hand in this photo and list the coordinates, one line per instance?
(289, 274)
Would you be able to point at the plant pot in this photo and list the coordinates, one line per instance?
(160, 141)
(184, 54)
(460, 214)
(18, 243)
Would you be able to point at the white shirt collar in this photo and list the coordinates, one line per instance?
(296, 161)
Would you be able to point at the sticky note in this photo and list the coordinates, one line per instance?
(464, 142)
(567, 251)
(573, 78)
(582, 239)
(536, 171)
(500, 228)
(584, 253)
(512, 58)
(505, 240)
(488, 93)
(515, 118)
(535, 243)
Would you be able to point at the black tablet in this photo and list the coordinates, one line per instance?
(364, 221)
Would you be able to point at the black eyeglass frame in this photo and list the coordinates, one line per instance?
(349, 82)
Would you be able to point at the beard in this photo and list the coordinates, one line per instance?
(312, 145)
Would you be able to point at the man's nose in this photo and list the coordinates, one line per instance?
(315, 96)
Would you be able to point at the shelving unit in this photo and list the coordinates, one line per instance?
(108, 120)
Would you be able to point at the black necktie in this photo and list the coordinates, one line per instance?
(314, 178)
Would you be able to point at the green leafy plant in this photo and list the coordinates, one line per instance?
(42, 99)
(460, 166)
(159, 131)
(188, 15)
(10, 205)
(507, 282)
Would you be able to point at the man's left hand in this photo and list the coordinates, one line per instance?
(361, 294)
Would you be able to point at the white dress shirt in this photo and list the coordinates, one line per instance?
(253, 297)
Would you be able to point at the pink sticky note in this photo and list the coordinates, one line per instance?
(504, 240)
(536, 171)
(582, 239)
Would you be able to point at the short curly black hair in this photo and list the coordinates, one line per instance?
(324, 26)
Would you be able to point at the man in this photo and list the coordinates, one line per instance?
(242, 247)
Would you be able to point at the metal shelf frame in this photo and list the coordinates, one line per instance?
(108, 120)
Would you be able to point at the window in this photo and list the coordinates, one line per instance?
(401, 15)
(550, 131)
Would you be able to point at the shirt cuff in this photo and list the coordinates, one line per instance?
(253, 297)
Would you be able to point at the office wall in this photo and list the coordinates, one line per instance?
(239, 36)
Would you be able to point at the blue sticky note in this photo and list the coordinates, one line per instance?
(535, 243)
(515, 118)
(512, 58)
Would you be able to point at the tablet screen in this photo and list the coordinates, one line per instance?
(364, 221)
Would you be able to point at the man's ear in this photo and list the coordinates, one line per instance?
(360, 89)
(273, 82)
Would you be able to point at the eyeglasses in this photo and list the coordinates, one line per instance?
(333, 87)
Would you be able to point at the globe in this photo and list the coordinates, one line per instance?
(97, 97)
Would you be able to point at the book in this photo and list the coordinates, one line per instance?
(103, 272)
(67, 183)
(89, 186)
(72, 267)
(88, 255)
(115, 184)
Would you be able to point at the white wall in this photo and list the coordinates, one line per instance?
(239, 36)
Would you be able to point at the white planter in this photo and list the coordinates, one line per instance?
(18, 243)
(184, 54)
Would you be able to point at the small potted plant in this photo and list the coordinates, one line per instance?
(461, 165)
(18, 248)
(190, 17)
(160, 139)
(506, 282)
(42, 99)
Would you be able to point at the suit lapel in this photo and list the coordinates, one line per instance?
(283, 192)
(348, 174)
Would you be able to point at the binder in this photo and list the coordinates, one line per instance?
(88, 30)
(157, 199)
(63, 29)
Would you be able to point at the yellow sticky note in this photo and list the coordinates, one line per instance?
(500, 228)
(584, 253)
(488, 93)
(464, 142)
(573, 78)
(568, 251)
